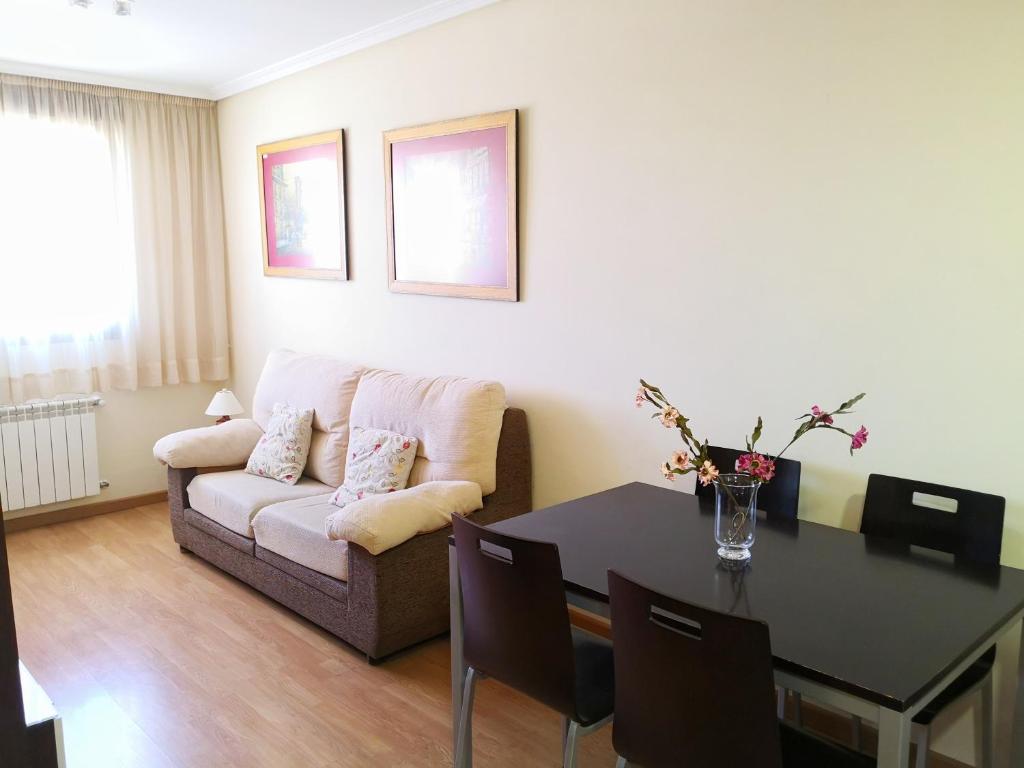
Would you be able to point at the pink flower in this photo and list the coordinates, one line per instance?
(859, 439)
(679, 460)
(641, 397)
(669, 416)
(820, 415)
(707, 473)
(756, 465)
(666, 470)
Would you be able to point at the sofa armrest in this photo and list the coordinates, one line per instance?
(221, 445)
(382, 521)
(407, 587)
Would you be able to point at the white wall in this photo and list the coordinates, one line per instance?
(757, 205)
(127, 426)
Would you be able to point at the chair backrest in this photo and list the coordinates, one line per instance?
(970, 525)
(515, 617)
(692, 686)
(779, 498)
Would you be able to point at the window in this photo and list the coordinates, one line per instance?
(65, 239)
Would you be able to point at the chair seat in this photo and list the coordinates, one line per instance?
(804, 750)
(595, 677)
(970, 677)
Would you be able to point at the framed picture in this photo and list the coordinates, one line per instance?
(450, 190)
(302, 207)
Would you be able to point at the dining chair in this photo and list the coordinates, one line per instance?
(517, 630)
(693, 686)
(778, 498)
(966, 524)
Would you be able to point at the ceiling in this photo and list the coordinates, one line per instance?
(206, 48)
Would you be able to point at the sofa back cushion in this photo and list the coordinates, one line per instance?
(457, 422)
(325, 384)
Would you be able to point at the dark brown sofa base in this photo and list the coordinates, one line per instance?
(392, 600)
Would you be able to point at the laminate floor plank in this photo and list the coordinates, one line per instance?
(157, 659)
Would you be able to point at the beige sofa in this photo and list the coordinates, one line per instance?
(272, 535)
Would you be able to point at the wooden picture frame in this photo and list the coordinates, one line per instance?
(452, 209)
(302, 206)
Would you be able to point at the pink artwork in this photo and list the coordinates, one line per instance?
(452, 208)
(303, 207)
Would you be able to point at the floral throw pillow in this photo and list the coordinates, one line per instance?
(378, 462)
(282, 451)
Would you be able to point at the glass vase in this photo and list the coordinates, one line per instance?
(735, 515)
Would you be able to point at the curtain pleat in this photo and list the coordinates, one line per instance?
(164, 244)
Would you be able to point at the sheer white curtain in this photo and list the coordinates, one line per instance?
(112, 266)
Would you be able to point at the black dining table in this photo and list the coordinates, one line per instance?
(871, 627)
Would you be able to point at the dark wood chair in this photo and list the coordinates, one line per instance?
(517, 630)
(694, 686)
(778, 499)
(13, 735)
(966, 524)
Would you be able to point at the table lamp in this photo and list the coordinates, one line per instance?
(225, 405)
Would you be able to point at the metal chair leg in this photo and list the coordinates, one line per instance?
(464, 740)
(986, 728)
(571, 737)
(923, 737)
(858, 734)
(621, 763)
(780, 703)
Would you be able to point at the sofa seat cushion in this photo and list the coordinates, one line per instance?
(233, 498)
(295, 530)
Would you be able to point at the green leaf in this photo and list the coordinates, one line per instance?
(850, 403)
(653, 389)
(757, 434)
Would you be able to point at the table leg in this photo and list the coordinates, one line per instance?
(893, 739)
(1017, 743)
(58, 733)
(458, 661)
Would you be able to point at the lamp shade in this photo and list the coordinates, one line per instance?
(224, 403)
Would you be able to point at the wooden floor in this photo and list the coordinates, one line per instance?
(156, 659)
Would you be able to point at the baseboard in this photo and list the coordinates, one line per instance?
(834, 725)
(68, 514)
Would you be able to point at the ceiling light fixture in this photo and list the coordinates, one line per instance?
(121, 7)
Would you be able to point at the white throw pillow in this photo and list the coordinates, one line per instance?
(282, 451)
(379, 461)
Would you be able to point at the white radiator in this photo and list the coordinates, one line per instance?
(48, 452)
